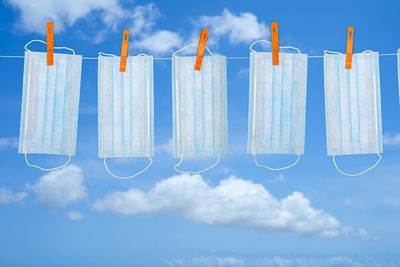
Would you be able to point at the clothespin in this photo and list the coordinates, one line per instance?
(275, 43)
(50, 42)
(200, 50)
(349, 46)
(124, 50)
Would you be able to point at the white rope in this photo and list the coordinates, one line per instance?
(268, 42)
(274, 169)
(169, 58)
(44, 169)
(195, 172)
(56, 47)
(190, 45)
(357, 174)
(127, 177)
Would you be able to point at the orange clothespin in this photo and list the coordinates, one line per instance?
(124, 50)
(275, 43)
(200, 50)
(349, 46)
(50, 42)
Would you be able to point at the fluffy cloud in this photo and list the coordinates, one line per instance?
(277, 261)
(64, 13)
(57, 189)
(234, 202)
(391, 139)
(241, 28)
(8, 142)
(103, 16)
(206, 261)
(8, 197)
(74, 215)
(166, 147)
(279, 178)
(159, 42)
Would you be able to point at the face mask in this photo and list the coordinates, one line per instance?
(50, 100)
(353, 105)
(126, 109)
(277, 104)
(199, 107)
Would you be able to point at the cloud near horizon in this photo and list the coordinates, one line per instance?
(234, 202)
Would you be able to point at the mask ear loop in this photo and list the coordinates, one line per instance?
(268, 42)
(190, 45)
(112, 55)
(44, 169)
(357, 174)
(197, 172)
(127, 177)
(276, 169)
(40, 41)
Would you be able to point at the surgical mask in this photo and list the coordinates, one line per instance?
(353, 106)
(277, 104)
(199, 107)
(125, 109)
(50, 103)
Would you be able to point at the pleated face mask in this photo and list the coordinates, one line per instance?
(50, 101)
(277, 104)
(353, 105)
(125, 108)
(199, 107)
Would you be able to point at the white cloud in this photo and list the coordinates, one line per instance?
(274, 261)
(349, 203)
(234, 202)
(206, 261)
(8, 197)
(160, 42)
(74, 215)
(241, 28)
(57, 189)
(33, 15)
(143, 18)
(166, 147)
(391, 139)
(279, 178)
(8, 142)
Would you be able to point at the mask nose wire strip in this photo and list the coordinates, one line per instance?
(357, 174)
(44, 169)
(127, 177)
(206, 169)
(278, 169)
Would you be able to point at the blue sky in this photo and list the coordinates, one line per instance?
(309, 215)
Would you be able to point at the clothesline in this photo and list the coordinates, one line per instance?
(169, 58)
